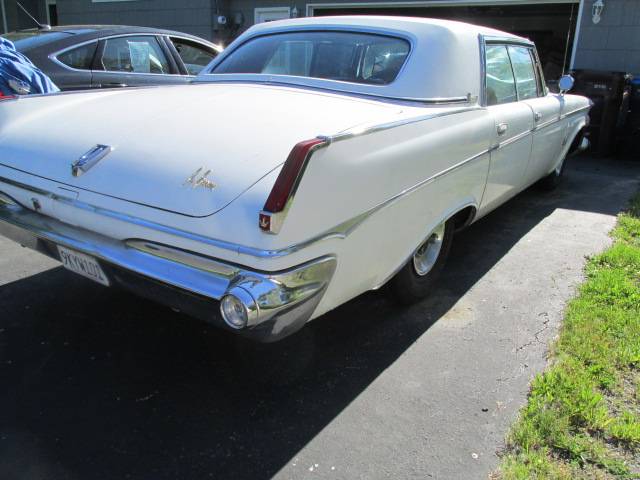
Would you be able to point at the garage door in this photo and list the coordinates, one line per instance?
(550, 25)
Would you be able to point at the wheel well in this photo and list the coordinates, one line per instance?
(463, 218)
(575, 143)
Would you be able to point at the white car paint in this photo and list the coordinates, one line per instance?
(393, 170)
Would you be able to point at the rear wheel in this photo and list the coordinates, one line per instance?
(417, 278)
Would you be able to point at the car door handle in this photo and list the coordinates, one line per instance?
(502, 128)
(537, 116)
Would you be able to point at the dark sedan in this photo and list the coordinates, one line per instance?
(107, 56)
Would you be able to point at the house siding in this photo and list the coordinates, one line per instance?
(191, 16)
(614, 43)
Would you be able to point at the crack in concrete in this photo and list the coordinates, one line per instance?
(536, 339)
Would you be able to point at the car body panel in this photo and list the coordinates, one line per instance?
(394, 161)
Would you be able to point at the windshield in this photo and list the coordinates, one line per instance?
(349, 57)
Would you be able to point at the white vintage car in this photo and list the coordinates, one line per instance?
(316, 159)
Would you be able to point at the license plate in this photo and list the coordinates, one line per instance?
(82, 265)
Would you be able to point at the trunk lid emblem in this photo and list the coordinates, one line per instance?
(90, 159)
(199, 179)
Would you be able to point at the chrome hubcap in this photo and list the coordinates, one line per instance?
(427, 254)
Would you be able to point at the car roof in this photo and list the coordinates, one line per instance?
(444, 63)
(66, 35)
(415, 25)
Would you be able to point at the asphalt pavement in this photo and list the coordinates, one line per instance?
(99, 384)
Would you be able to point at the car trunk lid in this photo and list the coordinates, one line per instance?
(185, 149)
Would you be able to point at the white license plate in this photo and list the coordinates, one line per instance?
(82, 265)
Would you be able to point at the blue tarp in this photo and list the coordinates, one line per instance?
(18, 75)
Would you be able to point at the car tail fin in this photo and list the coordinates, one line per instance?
(274, 210)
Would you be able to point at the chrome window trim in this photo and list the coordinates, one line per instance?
(279, 80)
(355, 29)
(209, 76)
(483, 40)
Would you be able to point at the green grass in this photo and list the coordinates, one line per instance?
(582, 419)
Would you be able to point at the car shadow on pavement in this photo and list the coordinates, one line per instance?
(100, 384)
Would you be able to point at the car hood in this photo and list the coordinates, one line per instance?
(162, 137)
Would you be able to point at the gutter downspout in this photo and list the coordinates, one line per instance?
(576, 37)
(5, 26)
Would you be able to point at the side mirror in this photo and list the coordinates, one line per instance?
(566, 83)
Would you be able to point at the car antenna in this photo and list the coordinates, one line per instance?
(41, 26)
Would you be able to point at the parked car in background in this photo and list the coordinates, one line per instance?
(318, 158)
(105, 56)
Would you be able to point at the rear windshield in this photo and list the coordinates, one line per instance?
(29, 39)
(349, 57)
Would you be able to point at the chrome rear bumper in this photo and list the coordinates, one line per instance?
(282, 301)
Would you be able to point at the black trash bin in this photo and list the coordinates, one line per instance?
(606, 90)
(631, 146)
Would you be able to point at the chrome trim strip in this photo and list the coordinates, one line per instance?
(483, 71)
(542, 125)
(279, 80)
(513, 139)
(201, 262)
(577, 110)
(343, 229)
(356, 132)
(339, 231)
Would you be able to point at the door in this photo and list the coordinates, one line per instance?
(511, 142)
(133, 60)
(548, 131)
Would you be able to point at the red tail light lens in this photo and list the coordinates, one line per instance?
(286, 183)
(6, 97)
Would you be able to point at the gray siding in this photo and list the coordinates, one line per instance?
(189, 16)
(16, 19)
(614, 43)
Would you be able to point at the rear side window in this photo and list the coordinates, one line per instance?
(524, 71)
(344, 56)
(80, 58)
(195, 57)
(135, 55)
(501, 86)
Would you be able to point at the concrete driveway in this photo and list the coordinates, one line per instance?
(97, 384)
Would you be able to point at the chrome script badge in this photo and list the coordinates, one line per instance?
(199, 179)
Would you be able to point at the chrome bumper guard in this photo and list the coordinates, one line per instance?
(280, 303)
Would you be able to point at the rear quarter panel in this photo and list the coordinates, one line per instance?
(409, 178)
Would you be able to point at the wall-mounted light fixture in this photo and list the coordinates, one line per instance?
(294, 12)
(596, 11)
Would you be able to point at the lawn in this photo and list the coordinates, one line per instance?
(582, 418)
